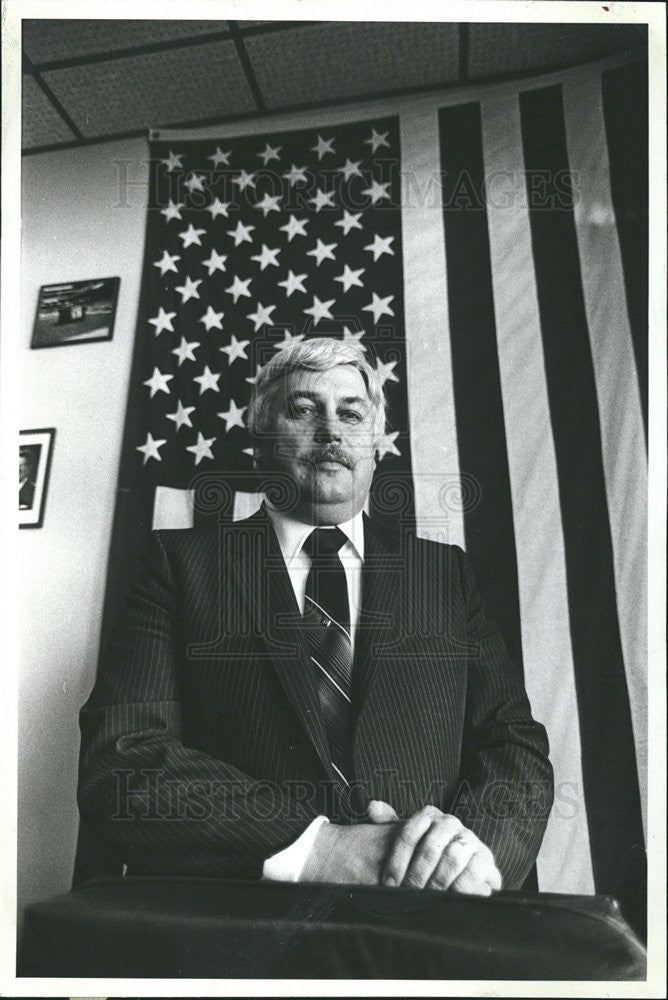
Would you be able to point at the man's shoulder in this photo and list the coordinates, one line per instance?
(403, 539)
(208, 538)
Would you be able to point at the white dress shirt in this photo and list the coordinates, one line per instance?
(287, 865)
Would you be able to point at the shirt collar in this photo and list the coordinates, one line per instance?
(292, 533)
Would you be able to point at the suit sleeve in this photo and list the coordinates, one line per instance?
(161, 806)
(506, 788)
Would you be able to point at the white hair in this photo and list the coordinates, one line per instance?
(318, 354)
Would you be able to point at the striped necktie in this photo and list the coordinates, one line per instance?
(327, 630)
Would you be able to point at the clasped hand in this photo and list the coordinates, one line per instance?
(430, 850)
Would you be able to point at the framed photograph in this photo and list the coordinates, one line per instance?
(75, 312)
(35, 448)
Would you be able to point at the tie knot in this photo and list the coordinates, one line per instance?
(324, 542)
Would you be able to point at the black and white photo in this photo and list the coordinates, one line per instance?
(339, 661)
(35, 449)
(74, 312)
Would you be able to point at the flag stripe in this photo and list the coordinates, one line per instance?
(608, 756)
(620, 405)
(481, 440)
(438, 496)
(564, 862)
(625, 105)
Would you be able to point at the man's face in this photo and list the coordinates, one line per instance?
(24, 467)
(323, 436)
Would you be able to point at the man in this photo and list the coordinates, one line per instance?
(26, 478)
(301, 697)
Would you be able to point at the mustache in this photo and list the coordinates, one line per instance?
(330, 453)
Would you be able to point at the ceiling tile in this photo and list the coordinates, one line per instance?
(348, 58)
(495, 49)
(47, 40)
(41, 123)
(160, 88)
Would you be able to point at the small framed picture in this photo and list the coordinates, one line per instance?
(35, 448)
(75, 312)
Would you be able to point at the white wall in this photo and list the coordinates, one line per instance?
(78, 223)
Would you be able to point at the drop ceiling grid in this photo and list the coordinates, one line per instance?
(41, 123)
(295, 65)
(49, 40)
(495, 49)
(340, 60)
(204, 81)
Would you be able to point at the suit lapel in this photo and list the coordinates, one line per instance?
(260, 572)
(382, 582)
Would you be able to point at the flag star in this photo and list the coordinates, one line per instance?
(220, 157)
(349, 278)
(350, 169)
(218, 207)
(386, 371)
(323, 146)
(320, 310)
(151, 448)
(167, 262)
(195, 182)
(192, 235)
(295, 174)
(267, 257)
(253, 378)
(269, 203)
(186, 350)
(158, 382)
(380, 246)
(379, 306)
(173, 161)
(377, 191)
(349, 221)
(235, 349)
(323, 198)
(181, 415)
(215, 262)
(189, 289)
(294, 227)
(239, 287)
(377, 139)
(288, 340)
(244, 180)
(353, 337)
(234, 417)
(261, 315)
(163, 321)
(202, 449)
(207, 380)
(293, 283)
(323, 251)
(211, 318)
(269, 153)
(387, 446)
(241, 234)
(173, 210)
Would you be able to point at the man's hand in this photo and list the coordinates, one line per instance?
(434, 850)
(352, 854)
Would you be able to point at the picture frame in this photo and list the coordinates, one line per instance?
(75, 312)
(35, 452)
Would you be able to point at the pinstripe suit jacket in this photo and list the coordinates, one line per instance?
(203, 749)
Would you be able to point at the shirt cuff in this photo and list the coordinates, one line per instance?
(288, 864)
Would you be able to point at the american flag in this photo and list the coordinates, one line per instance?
(258, 242)
(489, 249)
